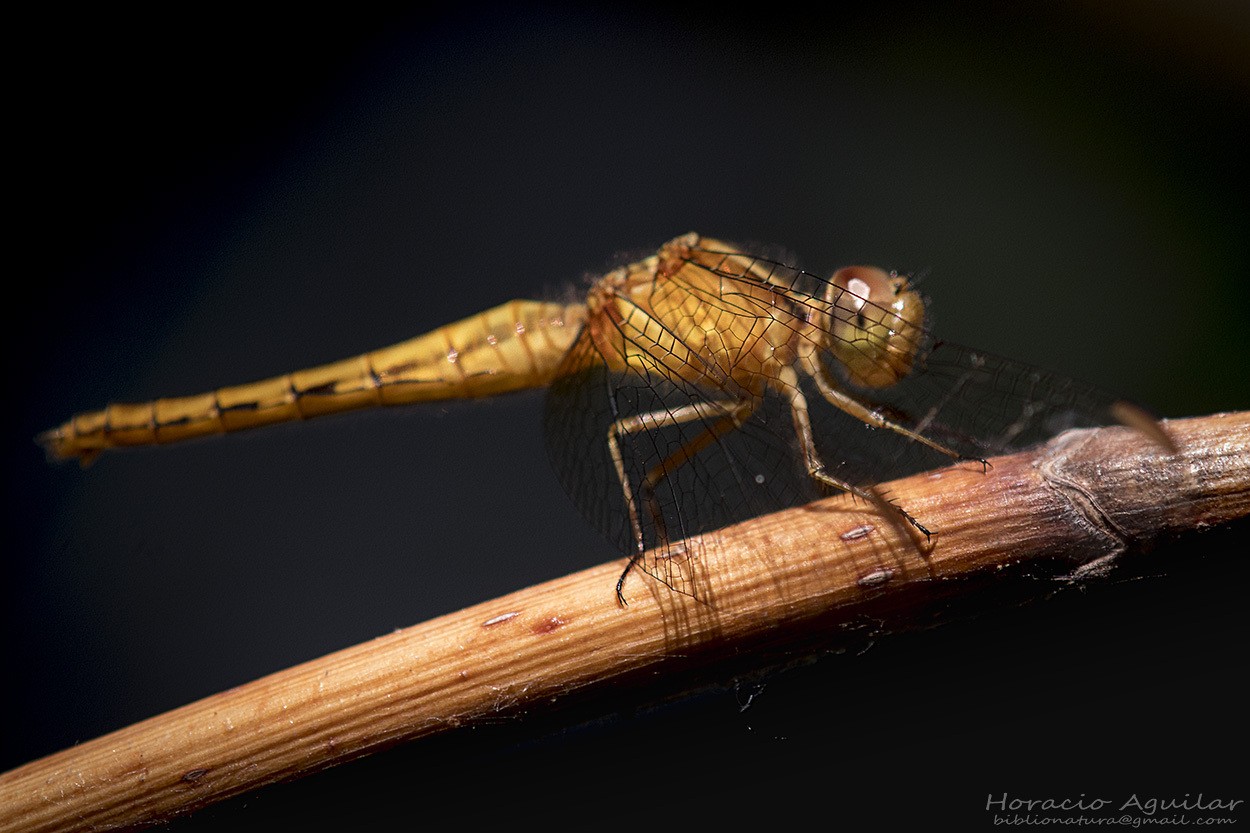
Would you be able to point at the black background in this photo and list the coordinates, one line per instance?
(210, 200)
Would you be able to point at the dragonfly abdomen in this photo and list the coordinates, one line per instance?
(511, 347)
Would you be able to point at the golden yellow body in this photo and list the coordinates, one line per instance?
(673, 315)
(720, 327)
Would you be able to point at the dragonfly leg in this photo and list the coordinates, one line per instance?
(788, 385)
(843, 401)
(728, 415)
(734, 414)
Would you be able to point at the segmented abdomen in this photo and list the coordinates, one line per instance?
(511, 347)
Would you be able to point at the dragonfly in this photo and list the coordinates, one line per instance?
(693, 388)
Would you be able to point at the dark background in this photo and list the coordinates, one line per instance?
(210, 200)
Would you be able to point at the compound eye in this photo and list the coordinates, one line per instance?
(875, 321)
(867, 285)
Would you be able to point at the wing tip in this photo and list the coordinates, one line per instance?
(1143, 422)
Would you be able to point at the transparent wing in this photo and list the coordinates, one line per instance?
(651, 459)
(975, 403)
(737, 472)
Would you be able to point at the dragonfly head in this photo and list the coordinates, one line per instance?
(874, 323)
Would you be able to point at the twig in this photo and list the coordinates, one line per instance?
(1069, 508)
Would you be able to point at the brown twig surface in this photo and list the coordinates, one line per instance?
(1071, 507)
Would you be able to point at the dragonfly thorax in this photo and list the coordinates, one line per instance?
(678, 315)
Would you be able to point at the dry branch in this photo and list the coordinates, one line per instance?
(1071, 507)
